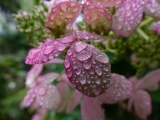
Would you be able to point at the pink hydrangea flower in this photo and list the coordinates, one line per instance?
(41, 91)
(156, 27)
(119, 90)
(140, 99)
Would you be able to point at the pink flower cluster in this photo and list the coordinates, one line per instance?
(87, 68)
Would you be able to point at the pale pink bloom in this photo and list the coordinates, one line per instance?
(105, 3)
(41, 91)
(156, 27)
(119, 90)
(141, 100)
(127, 17)
(152, 8)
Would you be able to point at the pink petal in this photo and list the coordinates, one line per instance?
(63, 14)
(64, 91)
(47, 78)
(97, 18)
(29, 98)
(150, 80)
(85, 35)
(46, 51)
(127, 17)
(88, 69)
(33, 74)
(48, 97)
(74, 100)
(142, 104)
(91, 109)
(105, 3)
(65, 79)
(152, 8)
(119, 90)
(156, 27)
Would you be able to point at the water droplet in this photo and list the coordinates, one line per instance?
(96, 90)
(98, 70)
(61, 47)
(82, 79)
(106, 68)
(79, 46)
(69, 73)
(72, 4)
(41, 91)
(78, 71)
(84, 55)
(66, 64)
(103, 58)
(86, 64)
(33, 53)
(48, 50)
(69, 52)
(63, 6)
(97, 80)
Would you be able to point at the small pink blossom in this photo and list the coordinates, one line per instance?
(41, 91)
(156, 27)
(140, 99)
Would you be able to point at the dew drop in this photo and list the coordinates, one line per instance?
(48, 50)
(66, 64)
(98, 70)
(103, 58)
(87, 65)
(82, 79)
(33, 53)
(84, 55)
(69, 52)
(61, 47)
(97, 80)
(79, 46)
(78, 71)
(42, 91)
(69, 73)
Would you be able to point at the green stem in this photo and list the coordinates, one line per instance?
(143, 34)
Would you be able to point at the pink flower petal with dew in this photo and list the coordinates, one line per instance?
(29, 98)
(91, 109)
(142, 104)
(64, 91)
(152, 9)
(63, 14)
(45, 52)
(32, 75)
(105, 3)
(156, 27)
(74, 100)
(119, 90)
(85, 35)
(149, 81)
(88, 69)
(127, 17)
(48, 97)
(97, 18)
(47, 78)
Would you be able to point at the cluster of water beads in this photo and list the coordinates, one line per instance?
(118, 90)
(63, 13)
(88, 69)
(127, 17)
(45, 52)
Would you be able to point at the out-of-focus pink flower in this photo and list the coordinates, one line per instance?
(156, 27)
(129, 15)
(41, 91)
(38, 114)
(119, 90)
(141, 99)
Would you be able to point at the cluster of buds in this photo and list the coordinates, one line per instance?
(87, 68)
